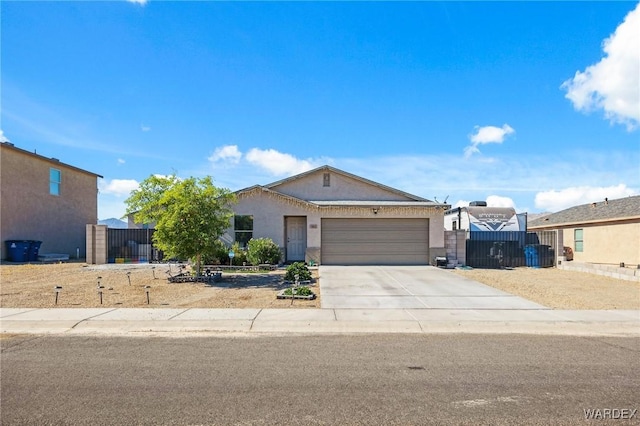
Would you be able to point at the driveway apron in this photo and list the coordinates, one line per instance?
(410, 287)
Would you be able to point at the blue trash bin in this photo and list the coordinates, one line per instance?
(34, 249)
(535, 259)
(18, 250)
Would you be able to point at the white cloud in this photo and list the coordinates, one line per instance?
(145, 128)
(485, 135)
(492, 201)
(498, 201)
(226, 153)
(118, 187)
(613, 84)
(278, 163)
(574, 196)
(3, 138)
(140, 2)
(121, 161)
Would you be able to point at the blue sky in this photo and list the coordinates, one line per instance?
(527, 104)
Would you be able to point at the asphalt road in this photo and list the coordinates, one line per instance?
(364, 379)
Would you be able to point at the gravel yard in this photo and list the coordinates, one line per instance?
(32, 286)
(561, 289)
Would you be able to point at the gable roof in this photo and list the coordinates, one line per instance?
(327, 168)
(255, 189)
(606, 211)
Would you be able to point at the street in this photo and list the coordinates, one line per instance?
(318, 379)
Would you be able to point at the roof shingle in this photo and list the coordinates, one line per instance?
(622, 208)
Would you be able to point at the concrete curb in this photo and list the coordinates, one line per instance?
(128, 322)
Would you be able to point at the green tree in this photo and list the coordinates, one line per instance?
(189, 215)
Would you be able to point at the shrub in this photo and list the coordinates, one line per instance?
(300, 269)
(240, 257)
(263, 250)
(219, 255)
(300, 291)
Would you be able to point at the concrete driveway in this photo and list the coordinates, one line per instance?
(410, 287)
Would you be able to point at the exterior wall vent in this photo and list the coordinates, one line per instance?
(478, 204)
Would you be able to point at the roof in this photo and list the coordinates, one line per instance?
(51, 160)
(337, 203)
(604, 211)
(352, 176)
(373, 203)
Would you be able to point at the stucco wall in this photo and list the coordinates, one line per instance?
(341, 187)
(269, 211)
(30, 212)
(609, 244)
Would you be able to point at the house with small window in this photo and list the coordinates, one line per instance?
(329, 216)
(606, 232)
(44, 199)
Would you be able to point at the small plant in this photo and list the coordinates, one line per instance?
(240, 254)
(299, 269)
(300, 291)
(263, 250)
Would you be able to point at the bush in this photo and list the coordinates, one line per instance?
(219, 255)
(300, 291)
(240, 257)
(263, 250)
(300, 269)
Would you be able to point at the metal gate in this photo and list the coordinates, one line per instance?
(131, 246)
(504, 249)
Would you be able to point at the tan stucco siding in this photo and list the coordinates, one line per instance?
(30, 212)
(340, 188)
(268, 216)
(269, 210)
(609, 244)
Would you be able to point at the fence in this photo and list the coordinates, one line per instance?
(511, 249)
(131, 246)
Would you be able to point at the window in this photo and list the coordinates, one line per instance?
(326, 179)
(455, 225)
(578, 240)
(55, 178)
(243, 228)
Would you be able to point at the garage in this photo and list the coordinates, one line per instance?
(375, 241)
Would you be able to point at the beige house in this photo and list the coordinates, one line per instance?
(606, 232)
(330, 216)
(45, 200)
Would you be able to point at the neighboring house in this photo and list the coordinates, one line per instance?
(330, 216)
(601, 233)
(43, 199)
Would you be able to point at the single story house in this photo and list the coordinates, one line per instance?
(329, 216)
(606, 232)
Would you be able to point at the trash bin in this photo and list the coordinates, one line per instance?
(17, 250)
(34, 249)
(531, 256)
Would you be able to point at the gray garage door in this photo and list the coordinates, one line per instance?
(375, 241)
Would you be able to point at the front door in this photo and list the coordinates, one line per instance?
(296, 238)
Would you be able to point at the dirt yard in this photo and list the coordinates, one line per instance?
(560, 289)
(32, 286)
